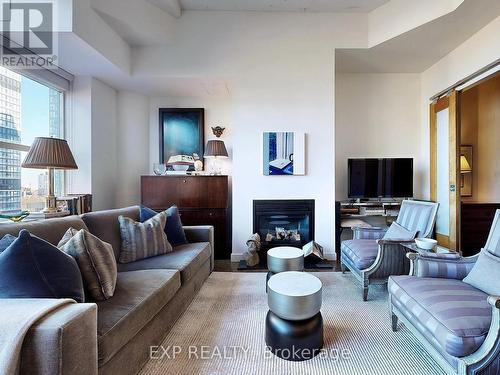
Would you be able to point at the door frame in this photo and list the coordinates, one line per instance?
(450, 101)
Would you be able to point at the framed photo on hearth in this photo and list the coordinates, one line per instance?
(181, 132)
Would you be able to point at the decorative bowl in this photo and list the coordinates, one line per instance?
(425, 243)
(180, 167)
(159, 169)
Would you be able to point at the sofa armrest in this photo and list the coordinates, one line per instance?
(447, 266)
(62, 343)
(202, 233)
(360, 233)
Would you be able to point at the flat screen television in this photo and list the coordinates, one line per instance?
(380, 178)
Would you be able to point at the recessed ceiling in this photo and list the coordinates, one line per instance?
(418, 49)
(314, 6)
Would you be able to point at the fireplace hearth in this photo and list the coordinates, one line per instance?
(283, 222)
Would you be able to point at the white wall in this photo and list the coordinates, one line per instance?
(92, 131)
(277, 81)
(104, 146)
(79, 134)
(377, 115)
(132, 146)
(477, 52)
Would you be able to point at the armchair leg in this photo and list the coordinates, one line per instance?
(365, 293)
(394, 322)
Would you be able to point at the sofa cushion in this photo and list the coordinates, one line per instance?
(143, 240)
(50, 230)
(139, 296)
(447, 311)
(186, 258)
(33, 268)
(6, 241)
(96, 261)
(104, 224)
(173, 228)
(362, 253)
(484, 273)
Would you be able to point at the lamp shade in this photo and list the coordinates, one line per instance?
(464, 165)
(215, 147)
(49, 153)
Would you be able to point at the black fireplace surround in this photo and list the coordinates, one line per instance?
(283, 222)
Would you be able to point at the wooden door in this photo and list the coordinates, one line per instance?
(444, 168)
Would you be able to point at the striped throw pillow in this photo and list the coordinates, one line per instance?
(143, 240)
(96, 261)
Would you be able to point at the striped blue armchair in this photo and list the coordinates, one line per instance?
(458, 324)
(372, 259)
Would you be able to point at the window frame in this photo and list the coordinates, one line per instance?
(62, 112)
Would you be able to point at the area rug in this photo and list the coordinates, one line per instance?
(222, 332)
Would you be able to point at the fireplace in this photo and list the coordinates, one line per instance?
(283, 222)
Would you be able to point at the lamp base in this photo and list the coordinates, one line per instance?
(50, 204)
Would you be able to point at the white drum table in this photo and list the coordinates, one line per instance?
(294, 325)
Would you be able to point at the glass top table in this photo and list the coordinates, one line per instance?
(437, 249)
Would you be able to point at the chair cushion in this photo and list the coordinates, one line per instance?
(143, 240)
(186, 258)
(484, 273)
(139, 296)
(362, 253)
(173, 228)
(398, 232)
(96, 261)
(33, 268)
(450, 312)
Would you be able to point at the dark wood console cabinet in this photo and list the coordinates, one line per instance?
(202, 200)
(475, 225)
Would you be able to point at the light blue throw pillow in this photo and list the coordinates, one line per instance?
(400, 233)
(485, 273)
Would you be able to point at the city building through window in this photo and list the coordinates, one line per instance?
(28, 109)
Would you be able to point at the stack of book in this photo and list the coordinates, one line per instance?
(76, 204)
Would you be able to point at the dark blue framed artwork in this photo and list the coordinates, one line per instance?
(181, 132)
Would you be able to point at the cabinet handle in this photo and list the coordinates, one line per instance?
(184, 180)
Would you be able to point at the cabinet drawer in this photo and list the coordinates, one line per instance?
(161, 192)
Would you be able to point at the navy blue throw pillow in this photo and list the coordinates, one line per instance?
(33, 268)
(6, 241)
(173, 229)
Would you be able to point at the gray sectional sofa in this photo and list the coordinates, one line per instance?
(114, 336)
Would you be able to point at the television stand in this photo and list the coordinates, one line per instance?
(359, 213)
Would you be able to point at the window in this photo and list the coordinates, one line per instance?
(28, 109)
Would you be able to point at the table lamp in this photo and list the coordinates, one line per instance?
(216, 149)
(464, 169)
(49, 153)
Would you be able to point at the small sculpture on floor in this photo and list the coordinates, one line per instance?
(252, 256)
